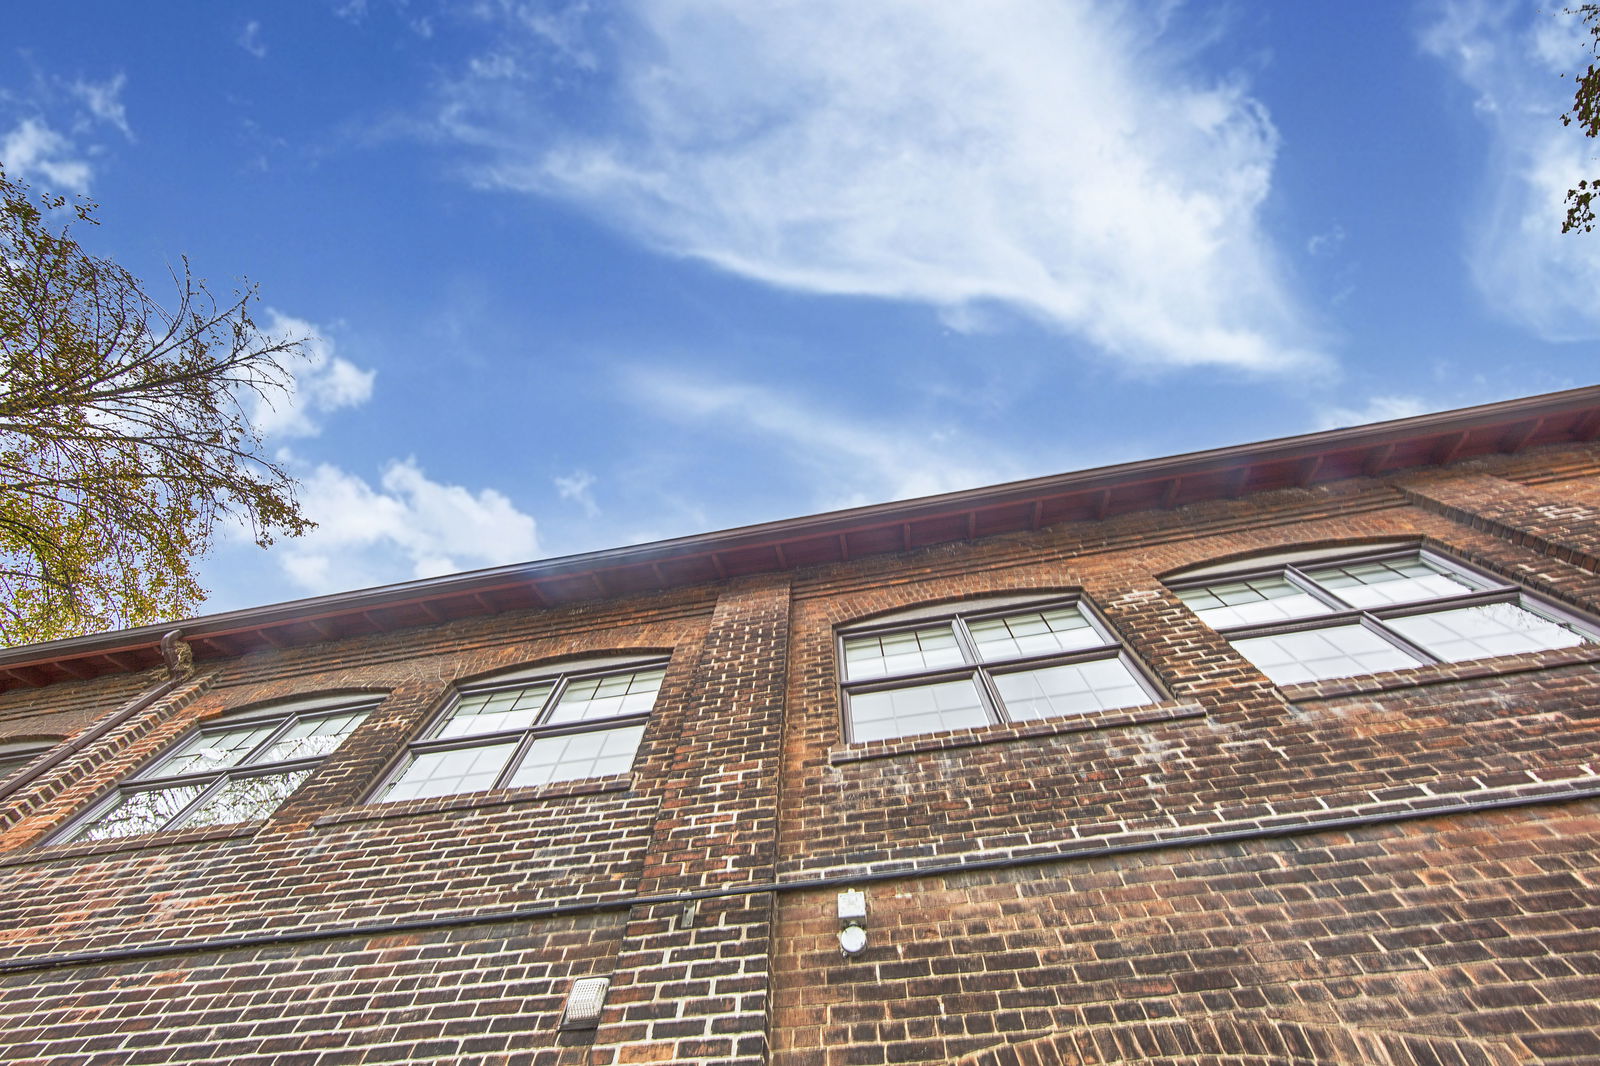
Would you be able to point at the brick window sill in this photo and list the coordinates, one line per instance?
(51, 852)
(473, 801)
(1168, 711)
(1442, 673)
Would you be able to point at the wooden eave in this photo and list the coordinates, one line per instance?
(1089, 495)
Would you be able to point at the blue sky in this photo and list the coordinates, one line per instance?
(586, 274)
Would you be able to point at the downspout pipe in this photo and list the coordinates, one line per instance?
(180, 665)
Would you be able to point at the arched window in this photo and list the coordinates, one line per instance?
(982, 663)
(1307, 617)
(240, 767)
(573, 721)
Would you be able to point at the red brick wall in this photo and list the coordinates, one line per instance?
(1350, 871)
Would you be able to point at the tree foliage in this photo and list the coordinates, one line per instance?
(1585, 114)
(125, 436)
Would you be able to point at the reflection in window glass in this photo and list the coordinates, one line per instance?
(1310, 655)
(1261, 599)
(244, 799)
(210, 750)
(144, 811)
(573, 756)
(496, 711)
(917, 709)
(1076, 688)
(608, 697)
(1383, 582)
(982, 668)
(1410, 610)
(906, 652)
(1033, 633)
(580, 724)
(309, 738)
(444, 773)
(218, 774)
(1479, 632)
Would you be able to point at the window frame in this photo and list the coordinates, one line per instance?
(974, 667)
(286, 717)
(1490, 590)
(20, 754)
(562, 676)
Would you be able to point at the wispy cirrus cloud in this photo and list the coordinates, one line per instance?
(848, 461)
(1512, 58)
(1062, 161)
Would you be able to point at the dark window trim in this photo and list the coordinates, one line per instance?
(980, 672)
(1489, 589)
(286, 718)
(524, 739)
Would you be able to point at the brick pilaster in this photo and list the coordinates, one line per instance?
(692, 983)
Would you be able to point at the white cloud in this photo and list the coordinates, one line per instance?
(46, 147)
(408, 526)
(34, 151)
(1376, 409)
(1511, 56)
(850, 461)
(579, 488)
(319, 385)
(104, 101)
(1061, 160)
(250, 39)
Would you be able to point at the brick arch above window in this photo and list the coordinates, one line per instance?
(989, 661)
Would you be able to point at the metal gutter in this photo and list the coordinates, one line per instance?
(1382, 437)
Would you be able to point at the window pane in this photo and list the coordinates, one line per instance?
(1379, 584)
(211, 750)
(444, 773)
(1076, 689)
(1341, 651)
(309, 738)
(921, 709)
(244, 799)
(578, 755)
(10, 764)
(608, 697)
(905, 652)
(494, 712)
(1257, 600)
(1479, 632)
(1033, 633)
(139, 812)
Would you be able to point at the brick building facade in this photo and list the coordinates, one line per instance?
(1277, 754)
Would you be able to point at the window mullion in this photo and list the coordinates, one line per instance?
(268, 740)
(176, 821)
(1375, 624)
(1324, 596)
(557, 690)
(993, 706)
(518, 753)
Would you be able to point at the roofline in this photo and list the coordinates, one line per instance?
(1572, 415)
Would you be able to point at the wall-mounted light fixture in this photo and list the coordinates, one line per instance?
(852, 921)
(585, 999)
